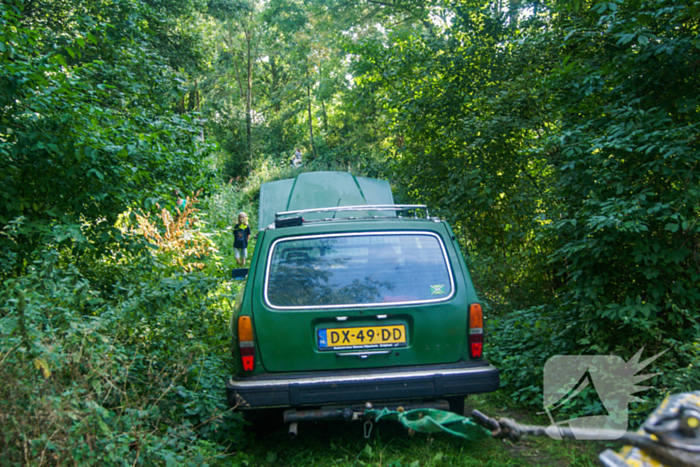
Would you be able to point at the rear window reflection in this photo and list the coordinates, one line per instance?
(372, 269)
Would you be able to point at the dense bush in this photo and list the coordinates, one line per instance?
(108, 355)
(87, 129)
(561, 143)
(524, 339)
(120, 361)
(130, 374)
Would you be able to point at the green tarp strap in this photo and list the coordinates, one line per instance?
(434, 421)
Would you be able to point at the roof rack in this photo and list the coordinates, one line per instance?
(363, 207)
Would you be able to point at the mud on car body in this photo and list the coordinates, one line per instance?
(353, 301)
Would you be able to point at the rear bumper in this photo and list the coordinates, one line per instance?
(292, 390)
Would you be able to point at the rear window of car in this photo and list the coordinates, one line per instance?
(349, 270)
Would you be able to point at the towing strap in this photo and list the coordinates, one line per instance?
(670, 436)
(433, 421)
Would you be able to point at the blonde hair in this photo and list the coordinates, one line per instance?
(245, 216)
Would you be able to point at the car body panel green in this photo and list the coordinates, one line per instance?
(468, 282)
(286, 340)
(286, 336)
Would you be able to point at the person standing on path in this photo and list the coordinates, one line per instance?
(241, 236)
(296, 160)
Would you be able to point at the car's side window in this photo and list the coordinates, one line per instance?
(357, 270)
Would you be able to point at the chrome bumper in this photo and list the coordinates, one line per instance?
(292, 390)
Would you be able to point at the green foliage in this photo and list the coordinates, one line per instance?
(301, 94)
(525, 339)
(128, 374)
(628, 240)
(562, 145)
(220, 214)
(86, 132)
(465, 117)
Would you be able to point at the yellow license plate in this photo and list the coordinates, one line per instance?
(366, 337)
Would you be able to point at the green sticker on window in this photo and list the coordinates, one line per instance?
(437, 289)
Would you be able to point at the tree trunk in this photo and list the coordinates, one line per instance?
(191, 100)
(325, 117)
(311, 126)
(197, 96)
(199, 108)
(249, 100)
(275, 84)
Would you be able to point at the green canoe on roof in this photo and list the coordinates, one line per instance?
(313, 190)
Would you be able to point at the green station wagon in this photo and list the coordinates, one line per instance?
(352, 302)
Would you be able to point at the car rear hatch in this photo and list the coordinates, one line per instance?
(359, 300)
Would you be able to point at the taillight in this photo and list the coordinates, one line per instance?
(246, 344)
(476, 330)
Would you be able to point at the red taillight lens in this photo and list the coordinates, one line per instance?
(246, 344)
(476, 330)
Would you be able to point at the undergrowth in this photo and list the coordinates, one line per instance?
(520, 341)
(122, 359)
(132, 376)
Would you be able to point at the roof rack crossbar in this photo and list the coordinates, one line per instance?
(364, 207)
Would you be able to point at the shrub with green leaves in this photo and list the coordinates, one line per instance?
(87, 129)
(562, 145)
(627, 232)
(132, 373)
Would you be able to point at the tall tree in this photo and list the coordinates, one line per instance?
(241, 33)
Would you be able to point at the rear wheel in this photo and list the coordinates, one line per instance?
(456, 404)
